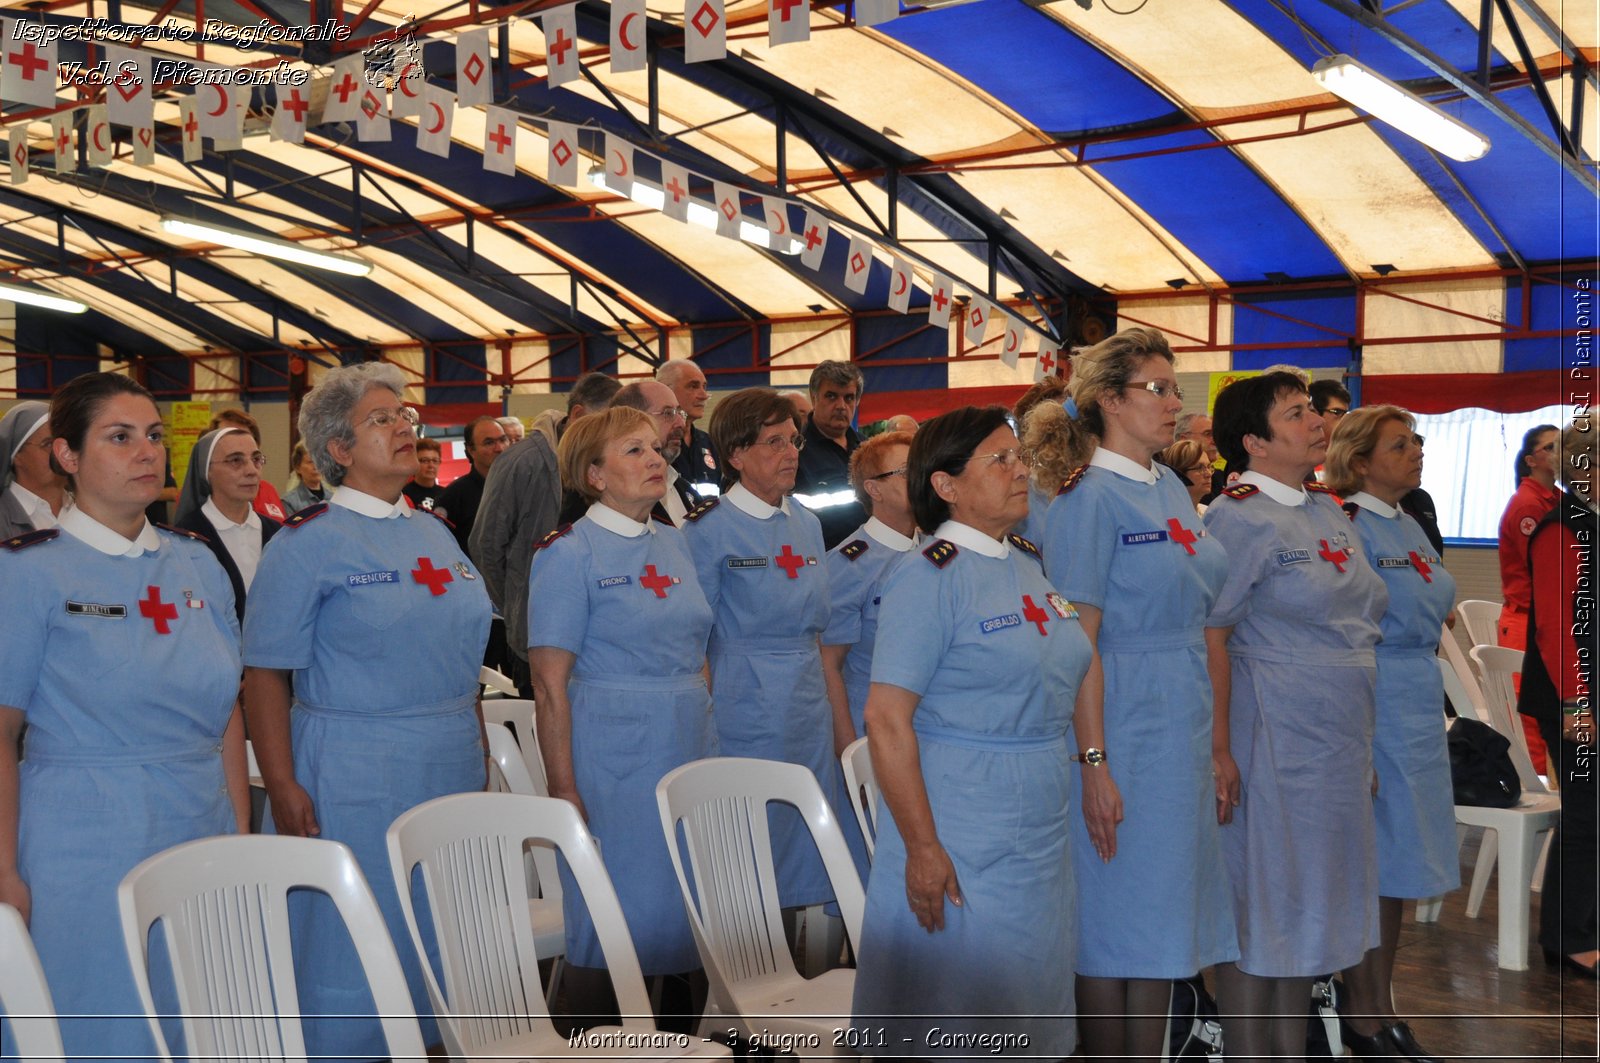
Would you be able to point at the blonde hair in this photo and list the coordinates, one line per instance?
(1182, 456)
(1354, 439)
(1059, 443)
(584, 444)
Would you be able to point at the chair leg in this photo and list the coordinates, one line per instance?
(1544, 855)
(557, 966)
(1487, 852)
(1516, 867)
(1428, 909)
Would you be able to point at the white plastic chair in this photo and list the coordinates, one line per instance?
(539, 864)
(469, 848)
(862, 782)
(1498, 665)
(25, 1004)
(732, 895)
(223, 908)
(1482, 619)
(517, 713)
(496, 684)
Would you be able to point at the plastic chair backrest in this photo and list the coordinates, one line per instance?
(223, 908)
(862, 782)
(469, 847)
(517, 713)
(1464, 694)
(732, 898)
(25, 1005)
(1498, 665)
(514, 776)
(496, 683)
(1482, 620)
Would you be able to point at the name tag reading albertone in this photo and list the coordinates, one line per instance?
(105, 612)
(363, 579)
(1135, 538)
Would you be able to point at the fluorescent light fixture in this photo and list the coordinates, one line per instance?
(266, 246)
(1401, 108)
(10, 293)
(652, 196)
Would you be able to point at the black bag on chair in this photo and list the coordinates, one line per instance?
(1193, 1029)
(1481, 771)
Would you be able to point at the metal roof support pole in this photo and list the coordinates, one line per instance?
(838, 175)
(894, 202)
(1550, 28)
(355, 199)
(1540, 89)
(1485, 40)
(993, 256)
(652, 74)
(472, 243)
(780, 129)
(1575, 131)
(502, 73)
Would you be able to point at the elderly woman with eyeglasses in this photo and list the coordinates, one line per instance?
(1187, 458)
(217, 503)
(967, 943)
(380, 721)
(1374, 461)
(759, 558)
(1123, 543)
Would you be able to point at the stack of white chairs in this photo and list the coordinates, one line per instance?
(865, 797)
(1481, 619)
(496, 684)
(25, 1005)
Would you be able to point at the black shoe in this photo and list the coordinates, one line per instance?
(1363, 1047)
(1403, 1045)
(1567, 963)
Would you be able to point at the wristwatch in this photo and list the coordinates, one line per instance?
(1091, 756)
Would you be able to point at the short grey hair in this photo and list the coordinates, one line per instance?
(594, 392)
(325, 413)
(669, 372)
(1185, 423)
(833, 371)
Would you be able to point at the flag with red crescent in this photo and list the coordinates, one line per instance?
(17, 152)
(291, 107)
(876, 12)
(128, 97)
(189, 129)
(214, 105)
(730, 212)
(1011, 347)
(900, 286)
(500, 140)
(98, 145)
(858, 264)
(628, 23)
(560, 26)
(63, 138)
(675, 190)
(405, 90)
(775, 213)
(563, 168)
(788, 22)
(705, 31)
(27, 69)
(433, 124)
(349, 77)
(619, 165)
(474, 76)
(940, 296)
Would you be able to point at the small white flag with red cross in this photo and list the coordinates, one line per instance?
(675, 190)
(814, 240)
(189, 129)
(64, 139)
(940, 295)
(27, 68)
(560, 25)
(500, 140)
(1048, 362)
(344, 90)
(788, 21)
(289, 114)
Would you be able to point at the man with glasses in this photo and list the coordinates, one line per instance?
(823, 483)
(672, 422)
(485, 441)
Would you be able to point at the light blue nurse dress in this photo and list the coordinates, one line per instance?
(126, 669)
(624, 598)
(1135, 550)
(1415, 807)
(1305, 609)
(857, 568)
(996, 656)
(382, 621)
(764, 579)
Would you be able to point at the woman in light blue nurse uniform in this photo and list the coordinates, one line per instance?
(967, 942)
(617, 627)
(382, 719)
(759, 558)
(1374, 460)
(1122, 542)
(119, 647)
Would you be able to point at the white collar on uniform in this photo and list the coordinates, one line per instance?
(740, 496)
(1124, 466)
(973, 539)
(222, 522)
(1276, 490)
(881, 532)
(80, 525)
(612, 521)
(1375, 504)
(37, 509)
(368, 505)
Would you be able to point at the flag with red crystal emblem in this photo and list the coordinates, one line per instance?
(977, 315)
(128, 99)
(858, 264)
(725, 200)
(500, 140)
(560, 26)
(705, 31)
(17, 153)
(474, 79)
(563, 154)
(372, 113)
(28, 68)
(788, 21)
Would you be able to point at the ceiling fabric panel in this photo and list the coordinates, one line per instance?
(1463, 308)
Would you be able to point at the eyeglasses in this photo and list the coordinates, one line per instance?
(1159, 388)
(1191, 470)
(798, 442)
(1548, 448)
(671, 413)
(901, 471)
(1007, 457)
(1335, 411)
(239, 462)
(390, 418)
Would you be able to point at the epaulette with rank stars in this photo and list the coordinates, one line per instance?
(1238, 491)
(1323, 489)
(854, 549)
(1026, 546)
(1351, 509)
(309, 513)
(702, 509)
(552, 537)
(657, 515)
(33, 538)
(941, 552)
(185, 532)
(1072, 479)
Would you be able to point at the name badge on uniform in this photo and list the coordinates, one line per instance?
(999, 623)
(105, 612)
(1064, 609)
(748, 562)
(1294, 557)
(363, 579)
(613, 581)
(1394, 562)
(1136, 538)
(191, 602)
(465, 571)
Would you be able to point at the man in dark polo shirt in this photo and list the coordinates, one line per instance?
(485, 441)
(697, 461)
(823, 483)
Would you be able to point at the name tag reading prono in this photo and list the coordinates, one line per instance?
(999, 623)
(363, 579)
(1294, 557)
(1136, 538)
(613, 581)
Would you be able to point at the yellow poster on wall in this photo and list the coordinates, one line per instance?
(1222, 380)
(186, 425)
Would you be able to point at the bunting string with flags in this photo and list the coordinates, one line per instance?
(628, 22)
(900, 286)
(705, 31)
(563, 167)
(560, 25)
(500, 130)
(474, 76)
